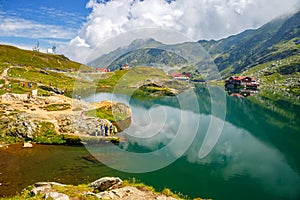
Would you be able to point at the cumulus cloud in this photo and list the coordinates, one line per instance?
(196, 19)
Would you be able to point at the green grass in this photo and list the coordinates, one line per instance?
(151, 92)
(10, 139)
(58, 80)
(3, 66)
(57, 107)
(112, 113)
(10, 55)
(35, 67)
(132, 78)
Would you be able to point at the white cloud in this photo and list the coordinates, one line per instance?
(196, 19)
(17, 27)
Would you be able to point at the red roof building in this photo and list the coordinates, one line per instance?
(102, 69)
(243, 81)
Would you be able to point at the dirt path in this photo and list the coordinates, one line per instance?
(4, 74)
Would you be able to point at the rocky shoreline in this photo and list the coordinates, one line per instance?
(29, 118)
(104, 188)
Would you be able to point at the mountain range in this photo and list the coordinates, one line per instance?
(273, 42)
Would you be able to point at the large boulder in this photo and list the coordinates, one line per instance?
(71, 123)
(21, 126)
(106, 183)
(43, 188)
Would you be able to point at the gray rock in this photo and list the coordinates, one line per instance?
(106, 183)
(40, 190)
(56, 196)
(44, 187)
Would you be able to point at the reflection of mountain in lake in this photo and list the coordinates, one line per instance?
(258, 147)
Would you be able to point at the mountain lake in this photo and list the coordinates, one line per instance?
(202, 143)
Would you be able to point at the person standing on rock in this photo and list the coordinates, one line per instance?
(111, 131)
(102, 130)
(82, 114)
(106, 130)
(96, 131)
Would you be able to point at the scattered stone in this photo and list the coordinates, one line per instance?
(43, 187)
(129, 193)
(106, 183)
(56, 196)
(27, 145)
(111, 185)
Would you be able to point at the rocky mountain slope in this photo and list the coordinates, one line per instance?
(276, 41)
(148, 57)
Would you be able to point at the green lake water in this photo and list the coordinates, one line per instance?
(203, 143)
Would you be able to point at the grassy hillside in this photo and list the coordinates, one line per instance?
(14, 56)
(126, 81)
(21, 67)
(273, 42)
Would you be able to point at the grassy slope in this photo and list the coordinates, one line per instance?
(30, 66)
(10, 55)
(121, 80)
(281, 73)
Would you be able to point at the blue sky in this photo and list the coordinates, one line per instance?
(49, 21)
(77, 27)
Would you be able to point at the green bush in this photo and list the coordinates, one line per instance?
(71, 139)
(50, 137)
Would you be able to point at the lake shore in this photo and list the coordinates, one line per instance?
(57, 119)
(17, 161)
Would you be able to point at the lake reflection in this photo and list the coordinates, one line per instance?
(254, 156)
(249, 159)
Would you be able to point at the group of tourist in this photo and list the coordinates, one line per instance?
(104, 130)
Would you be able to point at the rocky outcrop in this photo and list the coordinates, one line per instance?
(20, 125)
(106, 183)
(109, 187)
(23, 116)
(129, 193)
(46, 189)
(71, 123)
(51, 89)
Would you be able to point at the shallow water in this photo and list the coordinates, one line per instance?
(246, 151)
